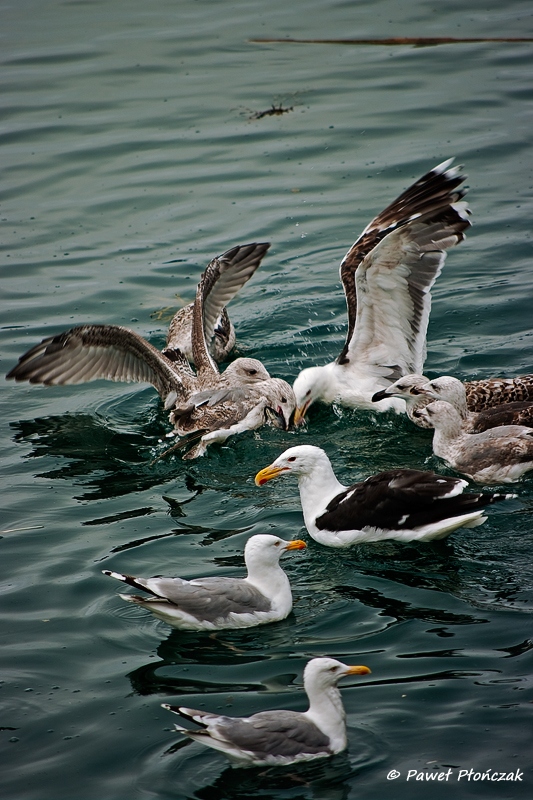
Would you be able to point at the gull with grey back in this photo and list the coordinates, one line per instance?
(277, 738)
(212, 604)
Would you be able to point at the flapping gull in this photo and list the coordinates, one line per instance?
(418, 391)
(387, 277)
(403, 504)
(498, 455)
(112, 352)
(228, 274)
(210, 604)
(281, 737)
(220, 410)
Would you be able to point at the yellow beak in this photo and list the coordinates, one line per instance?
(299, 414)
(296, 544)
(358, 671)
(268, 474)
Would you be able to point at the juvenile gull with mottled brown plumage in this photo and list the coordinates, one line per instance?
(498, 455)
(228, 274)
(205, 401)
(479, 407)
(220, 410)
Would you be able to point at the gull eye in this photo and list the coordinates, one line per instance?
(291, 458)
(276, 544)
(252, 372)
(283, 399)
(333, 669)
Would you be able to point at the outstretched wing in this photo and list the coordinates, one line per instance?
(92, 352)
(431, 198)
(224, 277)
(394, 283)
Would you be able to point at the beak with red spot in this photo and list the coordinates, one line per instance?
(295, 544)
(268, 474)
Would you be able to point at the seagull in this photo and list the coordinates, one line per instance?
(220, 410)
(387, 277)
(498, 455)
(403, 504)
(418, 391)
(409, 389)
(229, 272)
(211, 604)
(112, 352)
(277, 738)
(214, 416)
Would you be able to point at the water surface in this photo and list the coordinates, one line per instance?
(131, 157)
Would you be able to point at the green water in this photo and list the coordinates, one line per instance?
(130, 159)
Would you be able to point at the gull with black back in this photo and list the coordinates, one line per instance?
(403, 504)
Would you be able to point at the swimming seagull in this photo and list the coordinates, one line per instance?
(112, 352)
(278, 738)
(211, 604)
(228, 274)
(418, 391)
(387, 277)
(498, 455)
(403, 504)
(214, 416)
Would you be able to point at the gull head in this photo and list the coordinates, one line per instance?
(280, 403)
(265, 550)
(408, 387)
(322, 673)
(246, 370)
(300, 460)
(313, 383)
(443, 417)
(447, 388)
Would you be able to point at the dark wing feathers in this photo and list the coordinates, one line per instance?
(91, 352)
(400, 499)
(431, 197)
(517, 413)
(484, 394)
